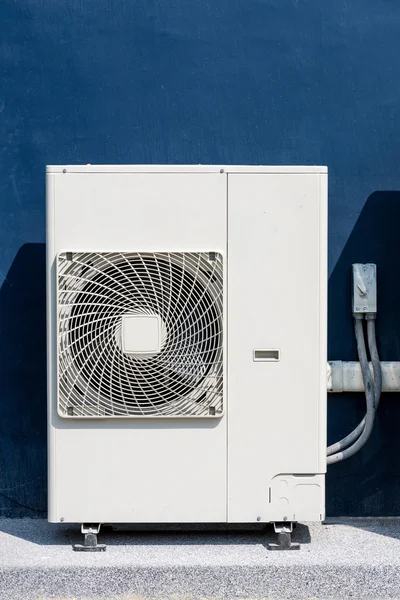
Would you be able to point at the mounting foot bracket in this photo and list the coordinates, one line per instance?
(90, 532)
(284, 531)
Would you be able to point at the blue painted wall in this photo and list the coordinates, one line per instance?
(233, 81)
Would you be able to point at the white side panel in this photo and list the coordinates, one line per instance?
(276, 301)
(134, 470)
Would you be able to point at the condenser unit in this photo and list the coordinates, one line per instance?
(186, 344)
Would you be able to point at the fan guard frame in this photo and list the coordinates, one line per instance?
(185, 289)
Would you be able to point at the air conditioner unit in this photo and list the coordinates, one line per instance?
(186, 343)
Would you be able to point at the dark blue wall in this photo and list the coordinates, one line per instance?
(245, 82)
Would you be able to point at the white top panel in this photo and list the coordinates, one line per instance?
(139, 212)
(183, 169)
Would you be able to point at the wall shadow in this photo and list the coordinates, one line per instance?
(367, 484)
(23, 487)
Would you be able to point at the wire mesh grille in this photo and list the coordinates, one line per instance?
(96, 378)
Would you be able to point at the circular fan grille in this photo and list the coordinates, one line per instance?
(184, 292)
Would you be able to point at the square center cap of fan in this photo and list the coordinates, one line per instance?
(141, 334)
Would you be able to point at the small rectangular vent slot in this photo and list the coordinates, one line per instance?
(266, 355)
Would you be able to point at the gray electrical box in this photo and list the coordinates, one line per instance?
(364, 288)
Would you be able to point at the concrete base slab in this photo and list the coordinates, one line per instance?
(346, 558)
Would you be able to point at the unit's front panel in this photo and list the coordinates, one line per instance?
(137, 396)
(276, 346)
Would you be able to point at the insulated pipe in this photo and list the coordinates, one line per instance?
(369, 396)
(376, 363)
(346, 376)
(376, 378)
(364, 307)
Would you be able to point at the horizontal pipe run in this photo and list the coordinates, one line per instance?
(346, 376)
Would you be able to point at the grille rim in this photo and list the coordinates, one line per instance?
(215, 284)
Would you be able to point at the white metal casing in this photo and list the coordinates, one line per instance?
(264, 459)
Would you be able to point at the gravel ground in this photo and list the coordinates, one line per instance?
(346, 558)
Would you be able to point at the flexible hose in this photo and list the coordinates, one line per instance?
(369, 394)
(376, 363)
(377, 384)
(348, 440)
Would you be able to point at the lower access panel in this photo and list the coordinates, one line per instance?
(276, 346)
(139, 472)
